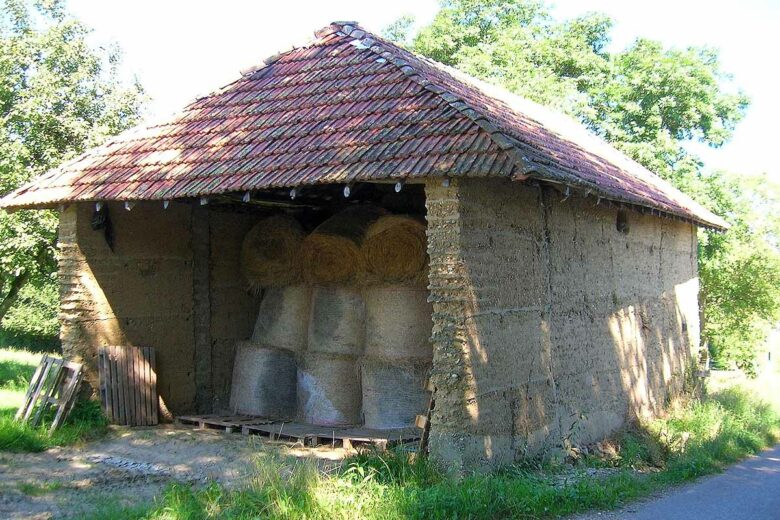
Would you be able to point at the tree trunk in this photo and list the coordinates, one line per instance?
(13, 292)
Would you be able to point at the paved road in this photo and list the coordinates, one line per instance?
(748, 490)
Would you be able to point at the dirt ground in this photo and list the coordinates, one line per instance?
(131, 466)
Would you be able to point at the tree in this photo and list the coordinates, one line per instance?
(740, 269)
(649, 102)
(646, 100)
(58, 97)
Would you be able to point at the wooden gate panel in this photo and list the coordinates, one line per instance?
(128, 385)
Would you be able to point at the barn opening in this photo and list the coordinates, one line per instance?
(342, 331)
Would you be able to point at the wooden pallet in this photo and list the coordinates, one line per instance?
(307, 434)
(228, 423)
(311, 435)
(54, 384)
(128, 385)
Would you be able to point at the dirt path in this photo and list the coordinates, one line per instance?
(130, 467)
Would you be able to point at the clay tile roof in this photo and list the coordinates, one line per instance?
(350, 106)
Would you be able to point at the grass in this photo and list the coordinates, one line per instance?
(698, 438)
(34, 489)
(85, 422)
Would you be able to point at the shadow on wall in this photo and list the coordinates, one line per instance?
(142, 294)
(551, 327)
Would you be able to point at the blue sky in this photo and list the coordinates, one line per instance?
(182, 49)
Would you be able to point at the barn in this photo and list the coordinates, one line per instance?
(348, 220)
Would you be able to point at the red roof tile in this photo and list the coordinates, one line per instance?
(351, 106)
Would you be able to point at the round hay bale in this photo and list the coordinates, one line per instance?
(271, 253)
(329, 390)
(337, 323)
(393, 394)
(283, 318)
(331, 254)
(395, 249)
(264, 381)
(398, 323)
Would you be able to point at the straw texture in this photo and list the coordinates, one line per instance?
(398, 323)
(332, 253)
(393, 394)
(329, 390)
(338, 318)
(263, 381)
(271, 253)
(395, 249)
(283, 318)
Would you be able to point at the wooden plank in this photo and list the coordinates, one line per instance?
(153, 386)
(79, 379)
(152, 403)
(142, 386)
(32, 388)
(129, 352)
(137, 382)
(46, 362)
(52, 382)
(116, 396)
(110, 373)
(131, 379)
(147, 389)
(422, 448)
(107, 364)
(130, 388)
(102, 383)
(120, 384)
(121, 357)
(67, 397)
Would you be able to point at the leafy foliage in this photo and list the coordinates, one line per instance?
(740, 270)
(648, 101)
(58, 96)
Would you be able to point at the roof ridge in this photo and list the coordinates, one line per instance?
(506, 143)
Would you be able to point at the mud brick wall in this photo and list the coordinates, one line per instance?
(233, 309)
(141, 294)
(550, 326)
(172, 282)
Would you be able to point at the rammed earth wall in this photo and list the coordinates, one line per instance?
(172, 283)
(550, 326)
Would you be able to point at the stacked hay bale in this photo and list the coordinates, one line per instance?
(265, 368)
(328, 377)
(271, 253)
(344, 324)
(333, 263)
(398, 351)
